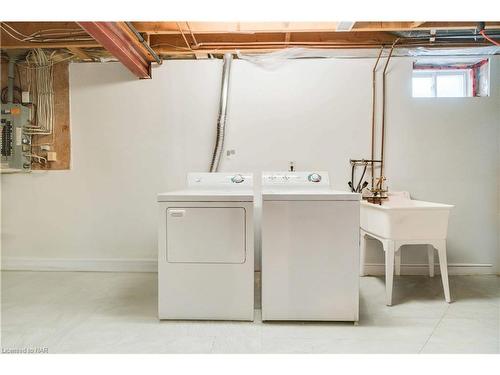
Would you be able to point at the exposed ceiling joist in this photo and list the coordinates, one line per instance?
(201, 55)
(50, 45)
(81, 54)
(416, 25)
(166, 52)
(232, 27)
(199, 39)
(283, 27)
(214, 41)
(23, 35)
(345, 25)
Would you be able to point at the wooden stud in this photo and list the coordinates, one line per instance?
(81, 54)
(287, 38)
(201, 55)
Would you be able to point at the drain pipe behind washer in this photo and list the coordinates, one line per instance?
(221, 120)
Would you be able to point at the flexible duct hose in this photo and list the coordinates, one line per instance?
(221, 121)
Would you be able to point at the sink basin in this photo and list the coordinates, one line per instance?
(402, 218)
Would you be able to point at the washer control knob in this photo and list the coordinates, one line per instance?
(237, 179)
(314, 177)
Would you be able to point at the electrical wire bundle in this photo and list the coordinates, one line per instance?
(48, 35)
(41, 79)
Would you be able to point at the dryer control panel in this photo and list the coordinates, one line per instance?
(220, 180)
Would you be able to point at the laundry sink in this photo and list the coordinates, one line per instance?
(400, 217)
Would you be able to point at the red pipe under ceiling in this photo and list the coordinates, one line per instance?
(116, 39)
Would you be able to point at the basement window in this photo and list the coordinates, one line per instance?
(450, 78)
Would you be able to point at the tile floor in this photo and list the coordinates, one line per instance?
(86, 312)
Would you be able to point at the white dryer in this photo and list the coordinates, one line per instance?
(206, 251)
(310, 248)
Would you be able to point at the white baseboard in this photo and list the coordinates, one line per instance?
(377, 269)
(92, 265)
(150, 265)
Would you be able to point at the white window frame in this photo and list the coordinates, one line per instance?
(434, 73)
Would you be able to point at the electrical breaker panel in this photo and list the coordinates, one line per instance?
(15, 144)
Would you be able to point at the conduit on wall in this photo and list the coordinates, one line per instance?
(221, 120)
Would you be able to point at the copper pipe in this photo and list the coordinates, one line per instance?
(284, 46)
(373, 115)
(383, 115)
(408, 42)
(211, 44)
(232, 47)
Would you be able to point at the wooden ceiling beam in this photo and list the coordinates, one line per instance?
(175, 41)
(202, 38)
(457, 25)
(50, 45)
(415, 24)
(418, 25)
(233, 27)
(72, 33)
(199, 55)
(284, 27)
(168, 52)
(29, 28)
(171, 44)
(81, 54)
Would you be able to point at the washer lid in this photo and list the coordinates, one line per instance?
(308, 195)
(198, 195)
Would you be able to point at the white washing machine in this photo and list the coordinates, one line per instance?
(310, 248)
(206, 249)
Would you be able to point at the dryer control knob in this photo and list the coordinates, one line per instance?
(314, 177)
(237, 179)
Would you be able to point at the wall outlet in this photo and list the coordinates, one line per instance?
(25, 97)
(51, 156)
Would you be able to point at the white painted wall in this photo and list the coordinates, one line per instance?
(132, 139)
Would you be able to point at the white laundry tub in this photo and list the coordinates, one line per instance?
(400, 217)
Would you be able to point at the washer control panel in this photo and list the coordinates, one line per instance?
(237, 179)
(314, 177)
(309, 179)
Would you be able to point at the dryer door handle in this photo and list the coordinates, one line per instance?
(177, 213)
